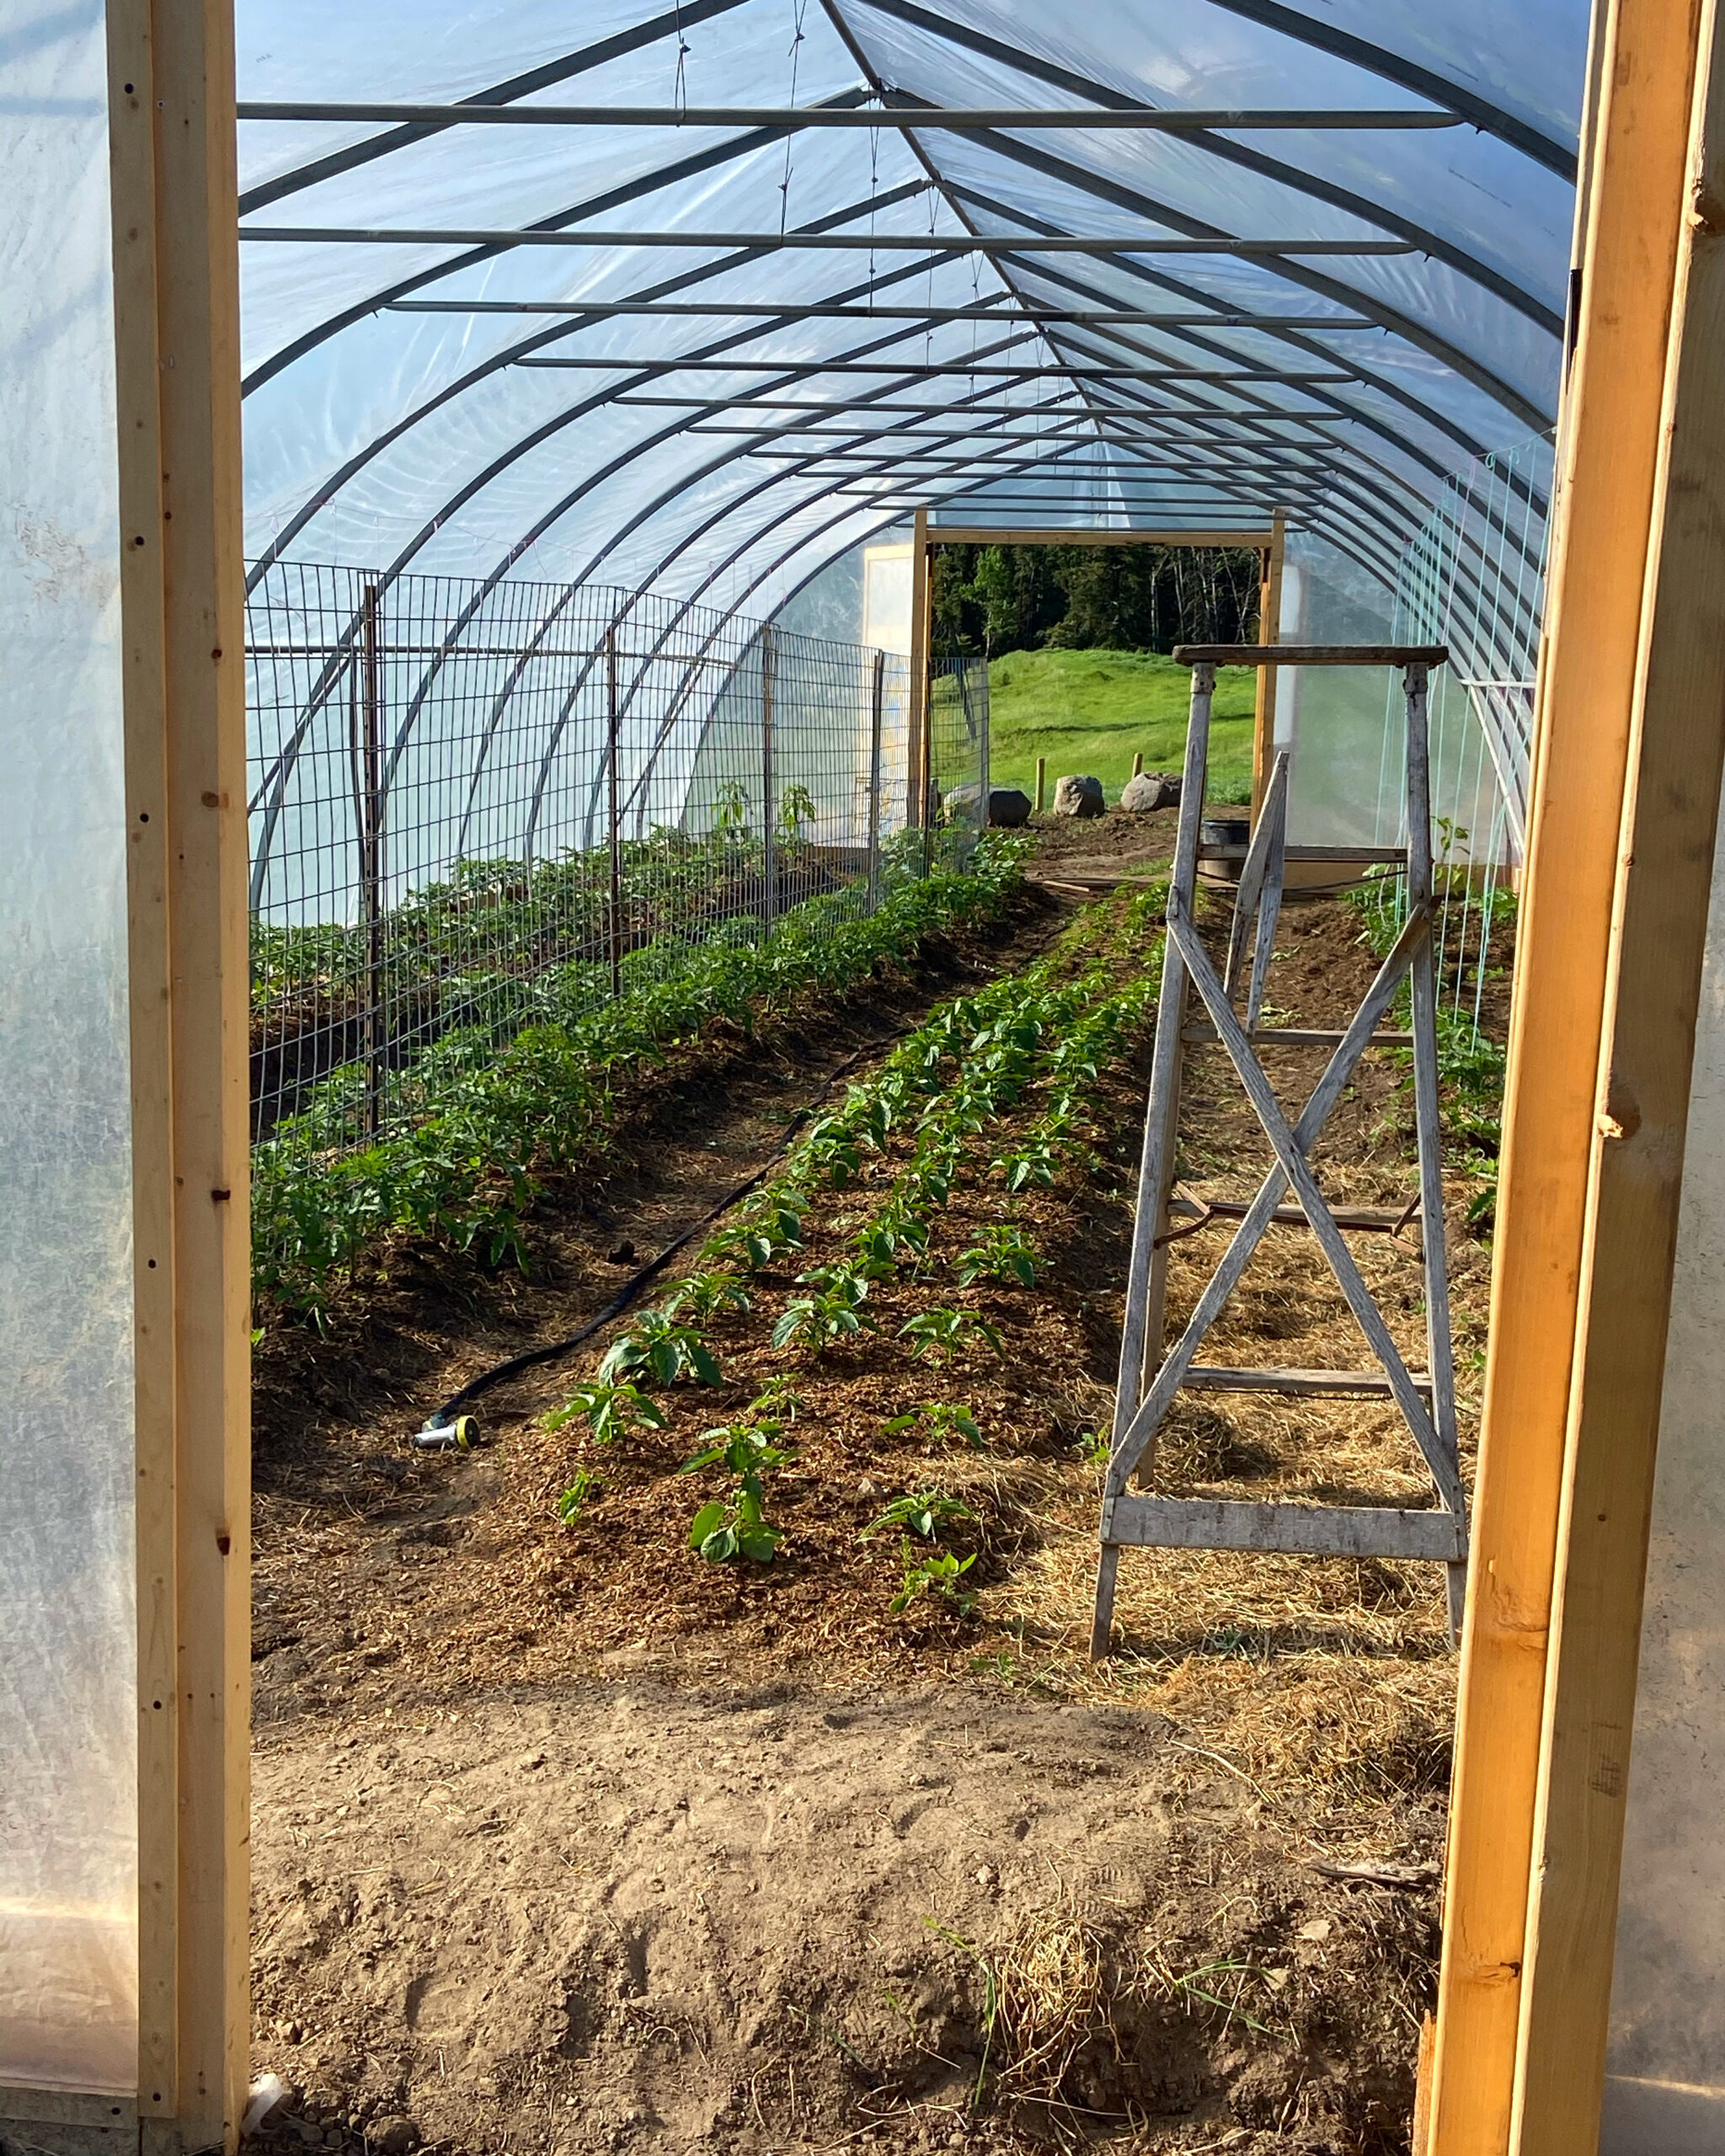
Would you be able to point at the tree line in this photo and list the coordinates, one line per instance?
(990, 599)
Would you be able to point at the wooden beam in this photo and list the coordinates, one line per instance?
(1627, 248)
(1311, 654)
(1269, 631)
(1297, 1037)
(1305, 1384)
(176, 340)
(1659, 929)
(1007, 535)
(132, 187)
(1432, 1537)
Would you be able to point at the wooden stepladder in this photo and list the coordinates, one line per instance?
(1150, 1378)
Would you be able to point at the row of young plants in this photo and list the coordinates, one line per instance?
(993, 1084)
(486, 1125)
(536, 911)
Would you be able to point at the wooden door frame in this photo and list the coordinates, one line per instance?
(1630, 748)
(173, 170)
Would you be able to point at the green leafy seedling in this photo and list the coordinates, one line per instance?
(656, 1346)
(609, 1411)
(1004, 1253)
(1032, 1162)
(938, 1573)
(580, 1494)
(942, 1420)
(773, 1231)
(778, 1399)
(834, 1312)
(737, 1526)
(921, 1514)
(708, 1294)
(949, 1333)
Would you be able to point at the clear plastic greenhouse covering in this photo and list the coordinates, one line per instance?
(723, 310)
(68, 1709)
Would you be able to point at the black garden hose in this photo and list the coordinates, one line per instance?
(449, 1428)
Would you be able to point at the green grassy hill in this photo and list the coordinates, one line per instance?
(1090, 710)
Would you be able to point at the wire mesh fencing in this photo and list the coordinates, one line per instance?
(958, 745)
(1473, 579)
(477, 806)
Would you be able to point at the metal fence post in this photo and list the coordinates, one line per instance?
(875, 734)
(985, 804)
(769, 842)
(376, 1031)
(612, 727)
(924, 779)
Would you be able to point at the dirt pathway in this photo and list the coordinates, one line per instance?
(620, 1918)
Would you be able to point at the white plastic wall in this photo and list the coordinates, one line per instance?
(1332, 717)
(68, 1856)
(1665, 2086)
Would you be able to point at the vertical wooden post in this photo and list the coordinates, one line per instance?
(769, 807)
(1138, 763)
(1041, 783)
(1269, 631)
(1666, 860)
(613, 821)
(150, 959)
(916, 807)
(171, 134)
(375, 1046)
(875, 727)
(1607, 453)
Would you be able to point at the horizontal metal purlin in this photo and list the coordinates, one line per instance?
(825, 243)
(748, 400)
(1120, 465)
(1011, 314)
(1160, 534)
(850, 431)
(1123, 411)
(1153, 118)
(1079, 370)
(1173, 478)
(901, 443)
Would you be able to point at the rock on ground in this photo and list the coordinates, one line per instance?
(1079, 795)
(1150, 790)
(1007, 807)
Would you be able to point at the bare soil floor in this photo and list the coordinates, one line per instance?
(567, 1841)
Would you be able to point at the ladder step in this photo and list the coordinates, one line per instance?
(1310, 1530)
(1380, 1220)
(1388, 855)
(1201, 1033)
(1342, 1384)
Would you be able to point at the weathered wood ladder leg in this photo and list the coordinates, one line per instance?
(1141, 1332)
(1422, 998)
